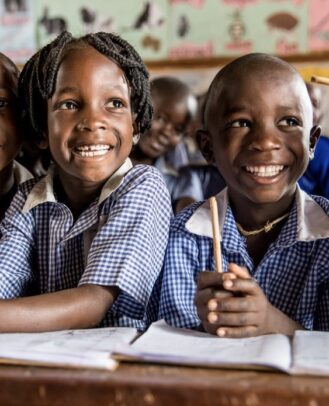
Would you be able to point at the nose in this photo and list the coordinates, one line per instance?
(91, 119)
(264, 138)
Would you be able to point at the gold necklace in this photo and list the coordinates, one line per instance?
(268, 226)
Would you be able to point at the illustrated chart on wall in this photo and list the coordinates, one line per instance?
(173, 29)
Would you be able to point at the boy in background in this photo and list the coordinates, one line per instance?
(162, 145)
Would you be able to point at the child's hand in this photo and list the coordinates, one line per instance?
(209, 287)
(246, 312)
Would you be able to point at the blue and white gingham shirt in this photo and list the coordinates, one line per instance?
(293, 274)
(119, 240)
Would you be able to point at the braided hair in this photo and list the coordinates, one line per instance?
(38, 78)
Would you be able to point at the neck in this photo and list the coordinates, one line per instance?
(253, 216)
(77, 194)
(138, 157)
(7, 179)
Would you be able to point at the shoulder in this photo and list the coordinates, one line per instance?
(322, 202)
(179, 221)
(143, 174)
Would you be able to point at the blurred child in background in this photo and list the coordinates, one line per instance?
(11, 172)
(315, 180)
(162, 145)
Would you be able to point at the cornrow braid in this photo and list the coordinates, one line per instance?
(38, 78)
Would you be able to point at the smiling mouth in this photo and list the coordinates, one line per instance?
(265, 171)
(92, 150)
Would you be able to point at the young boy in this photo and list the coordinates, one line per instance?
(11, 172)
(88, 239)
(257, 129)
(162, 146)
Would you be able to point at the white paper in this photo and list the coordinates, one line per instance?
(311, 353)
(165, 344)
(75, 348)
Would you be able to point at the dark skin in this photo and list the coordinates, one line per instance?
(169, 124)
(10, 133)
(259, 136)
(90, 133)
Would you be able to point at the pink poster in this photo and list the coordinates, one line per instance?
(319, 25)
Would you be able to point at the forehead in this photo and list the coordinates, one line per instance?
(81, 64)
(8, 79)
(259, 91)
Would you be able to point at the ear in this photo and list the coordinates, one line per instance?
(136, 132)
(204, 141)
(43, 142)
(314, 137)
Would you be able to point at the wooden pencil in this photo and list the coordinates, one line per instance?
(320, 79)
(216, 234)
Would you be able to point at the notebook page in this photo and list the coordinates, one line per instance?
(166, 344)
(310, 353)
(75, 348)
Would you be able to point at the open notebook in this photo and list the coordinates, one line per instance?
(306, 354)
(89, 348)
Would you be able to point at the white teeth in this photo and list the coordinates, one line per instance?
(265, 171)
(92, 150)
(96, 147)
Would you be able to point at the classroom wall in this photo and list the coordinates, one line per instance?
(172, 29)
(190, 39)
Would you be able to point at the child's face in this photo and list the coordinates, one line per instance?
(90, 124)
(260, 135)
(10, 132)
(167, 128)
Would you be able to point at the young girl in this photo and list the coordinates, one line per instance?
(258, 130)
(88, 239)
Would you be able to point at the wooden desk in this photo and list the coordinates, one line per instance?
(155, 385)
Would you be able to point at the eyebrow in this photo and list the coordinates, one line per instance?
(235, 109)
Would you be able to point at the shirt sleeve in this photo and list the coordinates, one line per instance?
(322, 312)
(178, 288)
(16, 250)
(128, 250)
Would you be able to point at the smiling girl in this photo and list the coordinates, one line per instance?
(88, 239)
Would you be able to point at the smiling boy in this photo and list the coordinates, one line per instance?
(257, 129)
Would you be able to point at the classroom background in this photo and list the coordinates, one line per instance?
(189, 39)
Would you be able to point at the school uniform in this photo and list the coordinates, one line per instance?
(119, 240)
(169, 164)
(21, 174)
(294, 273)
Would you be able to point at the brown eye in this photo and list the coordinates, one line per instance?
(289, 122)
(239, 123)
(115, 103)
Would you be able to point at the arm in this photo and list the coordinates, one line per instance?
(82, 307)
(128, 250)
(245, 313)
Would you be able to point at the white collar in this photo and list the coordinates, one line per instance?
(43, 191)
(312, 221)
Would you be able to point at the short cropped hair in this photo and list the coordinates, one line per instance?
(238, 67)
(38, 78)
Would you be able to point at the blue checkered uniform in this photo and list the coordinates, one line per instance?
(118, 242)
(293, 274)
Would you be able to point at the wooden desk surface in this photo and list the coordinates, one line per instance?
(133, 384)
